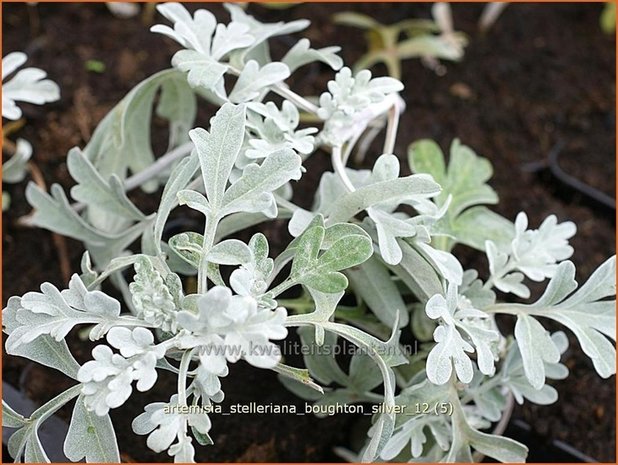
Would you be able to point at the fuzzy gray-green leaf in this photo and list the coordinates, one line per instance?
(94, 191)
(420, 186)
(217, 151)
(90, 437)
(322, 272)
(179, 178)
(373, 283)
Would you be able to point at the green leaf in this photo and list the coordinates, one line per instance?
(332, 234)
(464, 183)
(608, 18)
(435, 46)
(465, 179)
(477, 225)
(322, 272)
(91, 437)
(201, 438)
(308, 249)
(349, 18)
(425, 156)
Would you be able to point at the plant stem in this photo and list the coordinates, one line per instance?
(182, 376)
(48, 409)
(507, 309)
(281, 288)
(282, 90)
(368, 137)
(286, 203)
(210, 230)
(298, 304)
(159, 165)
(391, 129)
(349, 146)
(293, 97)
(337, 162)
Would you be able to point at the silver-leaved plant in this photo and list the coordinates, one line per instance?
(26, 85)
(371, 258)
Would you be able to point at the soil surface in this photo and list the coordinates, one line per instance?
(541, 79)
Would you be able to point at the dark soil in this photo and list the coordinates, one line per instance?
(544, 75)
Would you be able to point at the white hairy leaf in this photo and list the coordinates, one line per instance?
(27, 85)
(352, 102)
(518, 381)
(217, 151)
(15, 168)
(534, 253)
(237, 325)
(302, 54)
(165, 423)
(587, 312)
(107, 379)
(152, 297)
(253, 79)
(459, 331)
(271, 130)
(54, 313)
